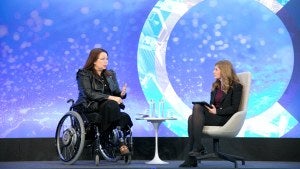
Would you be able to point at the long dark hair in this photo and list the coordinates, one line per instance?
(93, 56)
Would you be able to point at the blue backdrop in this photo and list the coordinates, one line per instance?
(162, 49)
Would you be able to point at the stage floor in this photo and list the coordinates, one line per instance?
(138, 164)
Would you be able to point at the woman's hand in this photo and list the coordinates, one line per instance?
(115, 98)
(212, 110)
(123, 92)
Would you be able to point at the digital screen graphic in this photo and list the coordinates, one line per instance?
(164, 50)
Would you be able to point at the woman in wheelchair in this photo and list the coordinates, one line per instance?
(99, 102)
(99, 92)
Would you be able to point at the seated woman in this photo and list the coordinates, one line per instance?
(225, 99)
(99, 93)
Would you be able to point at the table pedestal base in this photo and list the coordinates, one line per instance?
(156, 160)
(156, 123)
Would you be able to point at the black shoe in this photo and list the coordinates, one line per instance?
(198, 153)
(189, 164)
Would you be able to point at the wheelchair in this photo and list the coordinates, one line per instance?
(74, 132)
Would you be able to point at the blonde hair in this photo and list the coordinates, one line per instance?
(228, 76)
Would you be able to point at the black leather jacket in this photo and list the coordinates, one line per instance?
(91, 89)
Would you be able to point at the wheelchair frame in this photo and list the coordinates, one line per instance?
(70, 139)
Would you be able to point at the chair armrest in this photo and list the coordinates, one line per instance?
(230, 129)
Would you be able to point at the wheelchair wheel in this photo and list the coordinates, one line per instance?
(109, 147)
(97, 160)
(127, 159)
(70, 137)
(109, 151)
(129, 143)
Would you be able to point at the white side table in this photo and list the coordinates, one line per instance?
(156, 121)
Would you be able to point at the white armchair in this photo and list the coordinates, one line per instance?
(232, 126)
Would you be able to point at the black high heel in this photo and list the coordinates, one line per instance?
(198, 153)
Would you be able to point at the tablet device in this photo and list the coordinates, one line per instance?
(203, 103)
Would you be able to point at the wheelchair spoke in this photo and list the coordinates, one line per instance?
(69, 137)
(66, 153)
(71, 134)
